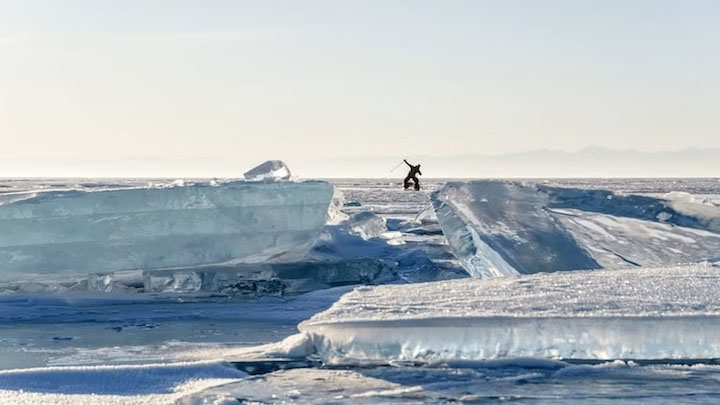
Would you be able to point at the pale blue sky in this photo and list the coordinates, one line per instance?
(306, 80)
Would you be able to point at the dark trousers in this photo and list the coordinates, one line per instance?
(406, 182)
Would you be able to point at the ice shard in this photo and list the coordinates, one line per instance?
(271, 170)
(366, 225)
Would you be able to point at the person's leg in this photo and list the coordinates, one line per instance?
(417, 183)
(406, 182)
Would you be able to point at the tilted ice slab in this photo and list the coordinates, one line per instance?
(271, 170)
(498, 228)
(647, 313)
(151, 228)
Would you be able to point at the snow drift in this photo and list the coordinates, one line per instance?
(159, 227)
(498, 228)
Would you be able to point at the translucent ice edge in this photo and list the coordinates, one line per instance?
(82, 232)
(443, 339)
(641, 314)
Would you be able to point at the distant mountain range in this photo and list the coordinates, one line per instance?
(589, 162)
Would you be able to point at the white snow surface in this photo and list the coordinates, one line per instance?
(498, 228)
(647, 313)
(73, 231)
(271, 170)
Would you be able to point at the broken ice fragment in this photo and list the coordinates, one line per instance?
(367, 225)
(272, 170)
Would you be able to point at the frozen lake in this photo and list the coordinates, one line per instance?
(160, 348)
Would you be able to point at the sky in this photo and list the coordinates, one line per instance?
(223, 84)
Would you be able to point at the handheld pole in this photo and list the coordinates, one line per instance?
(398, 165)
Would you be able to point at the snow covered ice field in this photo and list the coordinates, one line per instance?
(206, 337)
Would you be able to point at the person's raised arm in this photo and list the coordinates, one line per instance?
(406, 162)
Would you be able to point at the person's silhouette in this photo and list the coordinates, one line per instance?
(412, 175)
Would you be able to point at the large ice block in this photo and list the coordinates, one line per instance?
(151, 228)
(642, 314)
(498, 228)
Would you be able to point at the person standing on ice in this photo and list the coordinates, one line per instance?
(412, 175)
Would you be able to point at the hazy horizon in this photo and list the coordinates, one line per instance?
(183, 87)
(588, 162)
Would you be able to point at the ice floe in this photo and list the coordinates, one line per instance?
(149, 228)
(647, 313)
(499, 228)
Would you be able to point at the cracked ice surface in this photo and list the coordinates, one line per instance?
(647, 313)
(499, 228)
